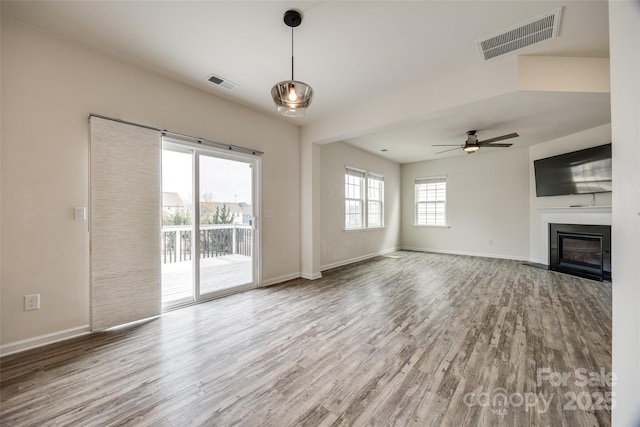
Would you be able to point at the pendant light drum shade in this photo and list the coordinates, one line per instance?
(292, 98)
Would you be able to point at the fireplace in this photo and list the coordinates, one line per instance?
(581, 250)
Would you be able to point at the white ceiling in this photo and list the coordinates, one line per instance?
(535, 116)
(351, 52)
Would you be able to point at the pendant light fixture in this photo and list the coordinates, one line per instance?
(292, 97)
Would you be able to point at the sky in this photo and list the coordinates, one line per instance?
(225, 180)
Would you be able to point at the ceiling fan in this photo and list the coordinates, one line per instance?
(471, 145)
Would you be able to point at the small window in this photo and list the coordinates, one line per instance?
(353, 199)
(431, 201)
(375, 198)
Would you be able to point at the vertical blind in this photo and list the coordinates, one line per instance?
(125, 203)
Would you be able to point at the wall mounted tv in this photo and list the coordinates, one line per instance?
(585, 171)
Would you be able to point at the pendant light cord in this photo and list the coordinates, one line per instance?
(292, 54)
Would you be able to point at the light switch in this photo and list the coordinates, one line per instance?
(268, 213)
(80, 214)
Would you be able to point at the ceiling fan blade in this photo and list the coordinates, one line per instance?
(447, 145)
(483, 145)
(451, 149)
(499, 138)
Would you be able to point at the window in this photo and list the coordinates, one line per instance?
(353, 199)
(375, 196)
(431, 201)
(363, 209)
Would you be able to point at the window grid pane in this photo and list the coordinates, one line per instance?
(374, 214)
(375, 190)
(353, 214)
(353, 187)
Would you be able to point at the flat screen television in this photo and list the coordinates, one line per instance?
(585, 171)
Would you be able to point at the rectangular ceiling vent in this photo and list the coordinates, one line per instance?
(219, 81)
(519, 36)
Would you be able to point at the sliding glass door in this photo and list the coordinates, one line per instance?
(177, 225)
(209, 241)
(225, 223)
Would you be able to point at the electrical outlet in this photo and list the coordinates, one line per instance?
(32, 302)
(284, 258)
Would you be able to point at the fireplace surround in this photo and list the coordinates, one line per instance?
(581, 250)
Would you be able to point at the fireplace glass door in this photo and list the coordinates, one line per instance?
(580, 252)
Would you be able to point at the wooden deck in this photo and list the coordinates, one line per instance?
(216, 274)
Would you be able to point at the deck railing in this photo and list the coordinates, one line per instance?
(215, 240)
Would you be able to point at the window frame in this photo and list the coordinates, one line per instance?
(373, 176)
(355, 172)
(425, 181)
(365, 177)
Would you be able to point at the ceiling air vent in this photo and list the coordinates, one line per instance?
(519, 36)
(227, 84)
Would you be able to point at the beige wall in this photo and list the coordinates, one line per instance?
(49, 88)
(563, 74)
(310, 211)
(538, 251)
(337, 245)
(487, 204)
(624, 21)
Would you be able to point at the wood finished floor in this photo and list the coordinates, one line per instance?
(391, 341)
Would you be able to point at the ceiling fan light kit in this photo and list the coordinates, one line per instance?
(471, 148)
(292, 97)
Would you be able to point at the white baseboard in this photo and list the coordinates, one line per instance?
(356, 259)
(477, 254)
(39, 341)
(279, 279)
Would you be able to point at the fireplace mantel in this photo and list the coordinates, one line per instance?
(588, 215)
(583, 215)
